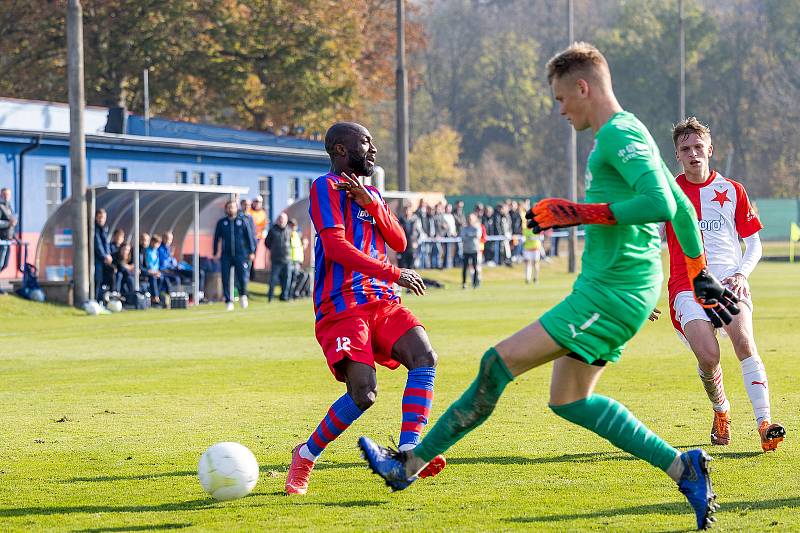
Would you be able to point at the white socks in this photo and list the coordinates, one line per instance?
(305, 453)
(715, 390)
(755, 382)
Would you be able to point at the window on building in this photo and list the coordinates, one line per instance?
(55, 182)
(215, 178)
(117, 174)
(265, 190)
(294, 191)
(180, 176)
(198, 178)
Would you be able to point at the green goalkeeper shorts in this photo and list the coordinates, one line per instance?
(595, 320)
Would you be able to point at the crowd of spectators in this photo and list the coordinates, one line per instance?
(437, 238)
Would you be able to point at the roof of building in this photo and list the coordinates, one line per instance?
(31, 117)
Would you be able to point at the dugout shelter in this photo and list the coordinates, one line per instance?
(189, 211)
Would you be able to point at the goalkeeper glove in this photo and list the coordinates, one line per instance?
(717, 301)
(559, 213)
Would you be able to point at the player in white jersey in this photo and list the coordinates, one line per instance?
(725, 215)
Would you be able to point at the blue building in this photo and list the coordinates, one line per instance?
(34, 158)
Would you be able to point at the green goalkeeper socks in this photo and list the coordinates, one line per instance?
(612, 421)
(470, 410)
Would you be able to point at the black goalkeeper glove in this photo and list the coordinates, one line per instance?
(717, 301)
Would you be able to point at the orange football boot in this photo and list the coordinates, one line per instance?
(436, 465)
(299, 472)
(771, 435)
(721, 428)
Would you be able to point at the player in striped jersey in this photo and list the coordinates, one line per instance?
(359, 318)
(725, 215)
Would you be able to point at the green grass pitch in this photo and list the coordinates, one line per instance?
(103, 420)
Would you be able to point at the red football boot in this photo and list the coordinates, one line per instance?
(299, 472)
(436, 465)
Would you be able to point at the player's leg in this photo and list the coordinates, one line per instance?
(754, 374)
(413, 350)
(347, 346)
(693, 326)
(572, 397)
(536, 266)
(526, 349)
(528, 267)
(464, 268)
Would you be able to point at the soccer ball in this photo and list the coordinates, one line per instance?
(115, 306)
(227, 471)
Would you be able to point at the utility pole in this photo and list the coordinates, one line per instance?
(402, 99)
(573, 161)
(77, 153)
(682, 46)
(146, 101)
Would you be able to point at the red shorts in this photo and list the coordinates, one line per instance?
(365, 333)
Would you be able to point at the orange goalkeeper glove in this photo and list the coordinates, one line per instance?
(717, 301)
(559, 213)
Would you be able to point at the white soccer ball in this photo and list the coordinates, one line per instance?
(115, 306)
(92, 308)
(227, 471)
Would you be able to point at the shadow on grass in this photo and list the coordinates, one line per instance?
(151, 527)
(91, 509)
(656, 508)
(155, 475)
(589, 457)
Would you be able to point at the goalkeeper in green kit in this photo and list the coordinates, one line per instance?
(629, 189)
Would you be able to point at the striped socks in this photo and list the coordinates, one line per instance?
(712, 382)
(342, 413)
(417, 401)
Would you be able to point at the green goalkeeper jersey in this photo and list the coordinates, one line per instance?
(625, 169)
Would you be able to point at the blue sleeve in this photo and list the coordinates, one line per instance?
(217, 237)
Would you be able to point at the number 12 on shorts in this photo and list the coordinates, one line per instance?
(342, 344)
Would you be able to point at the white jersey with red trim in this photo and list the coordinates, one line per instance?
(725, 214)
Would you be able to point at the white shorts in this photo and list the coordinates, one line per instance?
(532, 255)
(684, 309)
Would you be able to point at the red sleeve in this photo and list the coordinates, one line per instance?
(327, 204)
(339, 250)
(747, 221)
(387, 223)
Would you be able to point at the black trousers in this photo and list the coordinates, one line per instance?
(241, 267)
(470, 258)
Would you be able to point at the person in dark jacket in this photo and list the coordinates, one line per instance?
(103, 257)
(280, 251)
(8, 221)
(236, 252)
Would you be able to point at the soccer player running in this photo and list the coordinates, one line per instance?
(630, 188)
(725, 214)
(359, 318)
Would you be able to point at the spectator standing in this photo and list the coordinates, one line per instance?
(8, 223)
(297, 255)
(236, 251)
(279, 245)
(502, 248)
(450, 229)
(412, 227)
(471, 235)
(259, 216)
(461, 221)
(489, 222)
(244, 212)
(103, 259)
(517, 242)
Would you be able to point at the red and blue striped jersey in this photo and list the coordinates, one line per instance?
(337, 288)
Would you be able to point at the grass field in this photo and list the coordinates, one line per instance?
(103, 420)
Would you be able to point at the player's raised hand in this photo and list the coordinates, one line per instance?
(412, 281)
(356, 190)
(717, 301)
(554, 213)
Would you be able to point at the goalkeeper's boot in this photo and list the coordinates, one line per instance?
(771, 435)
(436, 465)
(695, 484)
(721, 428)
(387, 463)
(299, 472)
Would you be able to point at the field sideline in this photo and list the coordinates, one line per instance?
(104, 418)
